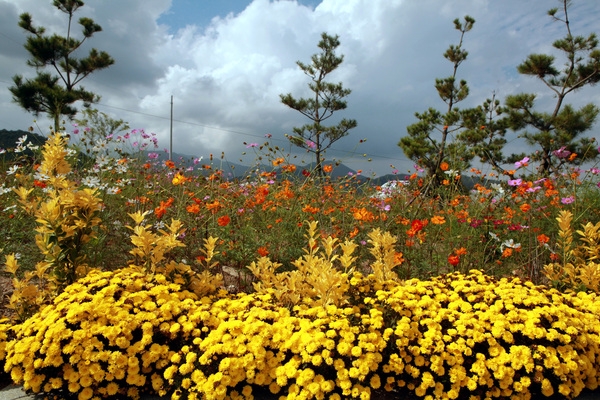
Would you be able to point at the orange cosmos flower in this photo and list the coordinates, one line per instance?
(525, 207)
(262, 251)
(398, 258)
(223, 220)
(310, 209)
(460, 252)
(401, 220)
(438, 220)
(169, 164)
(542, 239)
(162, 208)
(444, 166)
(327, 168)
(362, 214)
(278, 161)
(193, 208)
(214, 206)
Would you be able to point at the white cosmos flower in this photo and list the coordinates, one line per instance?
(510, 244)
(91, 181)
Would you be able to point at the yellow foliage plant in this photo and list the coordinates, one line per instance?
(67, 220)
(151, 248)
(579, 266)
(323, 273)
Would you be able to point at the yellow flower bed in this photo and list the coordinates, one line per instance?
(476, 337)
(116, 334)
(108, 334)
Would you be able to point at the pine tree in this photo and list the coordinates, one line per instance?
(56, 94)
(328, 98)
(483, 134)
(445, 143)
(564, 124)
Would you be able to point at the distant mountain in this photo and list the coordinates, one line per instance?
(8, 139)
(238, 171)
(235, 170)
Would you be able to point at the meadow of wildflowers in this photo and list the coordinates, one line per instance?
(136, 276)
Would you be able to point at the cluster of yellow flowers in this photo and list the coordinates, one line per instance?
(306, 352)
(109, 334)
(121, 333)
(477, 337)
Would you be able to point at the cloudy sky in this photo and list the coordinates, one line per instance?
(225, 62)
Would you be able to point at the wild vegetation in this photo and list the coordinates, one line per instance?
(133, 275)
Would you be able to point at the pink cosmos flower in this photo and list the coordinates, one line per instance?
(523, 163)
(515, 182)
(567, 200)
(562, 152)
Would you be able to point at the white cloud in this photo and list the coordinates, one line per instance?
(226, 78)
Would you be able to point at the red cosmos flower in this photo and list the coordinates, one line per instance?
(453, 260)
(39, 184)
(416, 226)
(224, 220)
(305, 172)
(262, 251)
